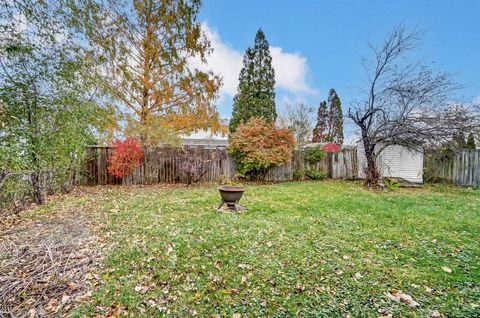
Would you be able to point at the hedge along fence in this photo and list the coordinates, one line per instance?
(167, 165)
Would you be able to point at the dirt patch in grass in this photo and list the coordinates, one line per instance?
(45, 261)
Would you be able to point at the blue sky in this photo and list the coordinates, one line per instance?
(318, 45)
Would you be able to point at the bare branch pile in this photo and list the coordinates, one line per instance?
(41, 278)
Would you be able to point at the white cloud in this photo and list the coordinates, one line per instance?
(291, 69)
(476, 100)
(287, 100)
(223, 61)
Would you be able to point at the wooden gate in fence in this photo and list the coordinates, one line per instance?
(164, 165)
(462, 168)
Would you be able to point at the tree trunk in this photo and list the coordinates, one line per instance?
(371, 173)
(37, 192)
(35, 178)
(147, 59)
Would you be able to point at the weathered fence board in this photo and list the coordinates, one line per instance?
(163, 165)
(463, 168)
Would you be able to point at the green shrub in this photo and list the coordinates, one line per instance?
(14, 193)
(391, 184)
(314, 155)
(299, 174)
(315, 174)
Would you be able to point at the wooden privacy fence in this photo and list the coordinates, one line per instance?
(462, 168)
(166, 165)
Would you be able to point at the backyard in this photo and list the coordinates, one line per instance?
(302, 249)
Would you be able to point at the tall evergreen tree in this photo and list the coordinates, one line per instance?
(329, 125)
(320, 132)
(335, 118)
(471, 142)
(256, 94)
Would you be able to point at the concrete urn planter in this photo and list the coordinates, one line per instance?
(231, 195)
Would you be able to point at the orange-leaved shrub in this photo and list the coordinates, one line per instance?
(258, 145)
(125, 158)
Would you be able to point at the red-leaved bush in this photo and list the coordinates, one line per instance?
(258, 145)
(125, 158)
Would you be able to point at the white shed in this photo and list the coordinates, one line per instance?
(395, 161)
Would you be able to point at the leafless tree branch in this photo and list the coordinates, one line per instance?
(407, 102)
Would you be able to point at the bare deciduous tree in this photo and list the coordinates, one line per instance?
(406, 102)
(298, 118)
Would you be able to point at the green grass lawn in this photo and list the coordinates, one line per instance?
(318, 249)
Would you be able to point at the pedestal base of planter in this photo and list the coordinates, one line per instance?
(230, 207)
(231, 195)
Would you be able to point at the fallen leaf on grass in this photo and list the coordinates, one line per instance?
(233, 291)
(71, 285)
(446, 269)
(382, 311)
(242, 266)
(84, 297)
(300, 287)
(428, 289)
(269, 244)
(141, 288)
(52, 305)
(215, 278)
(65, 298)
(150, 259)
(400, 296)
(434, 314)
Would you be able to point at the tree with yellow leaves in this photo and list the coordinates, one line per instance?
(145, 49)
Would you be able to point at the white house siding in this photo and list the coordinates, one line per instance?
(395, 161)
